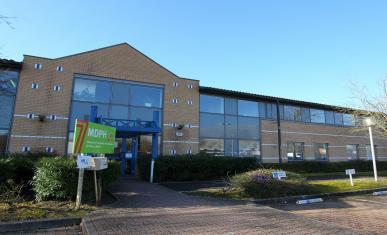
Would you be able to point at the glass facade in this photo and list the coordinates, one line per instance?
(231, 127)
(8, 85)
(114, 99)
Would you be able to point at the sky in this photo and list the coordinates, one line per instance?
(310, 50)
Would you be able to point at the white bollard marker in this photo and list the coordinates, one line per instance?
(380, 193)
(152, 168)
(308, 201)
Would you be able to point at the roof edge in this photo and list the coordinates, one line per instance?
(252, 96)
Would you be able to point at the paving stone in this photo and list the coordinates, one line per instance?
(145, 208)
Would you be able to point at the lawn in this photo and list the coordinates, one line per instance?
(37, 210)
(340, 174)
(320, 186)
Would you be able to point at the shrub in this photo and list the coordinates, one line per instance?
(57, 178)
(193, 167)
(260, 184)
(17, 167)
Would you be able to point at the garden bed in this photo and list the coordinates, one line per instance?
(317, 187)
(37, 210)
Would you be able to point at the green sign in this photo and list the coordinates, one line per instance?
(91, 137)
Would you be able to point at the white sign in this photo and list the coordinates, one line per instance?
(83, 161)
(99, 163)
(279, 174)
(350, 171)
(178, 133)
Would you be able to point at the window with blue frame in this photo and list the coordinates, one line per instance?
(114, 99)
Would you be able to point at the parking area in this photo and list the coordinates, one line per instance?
(365, 213)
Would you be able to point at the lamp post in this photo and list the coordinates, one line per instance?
(368, 122)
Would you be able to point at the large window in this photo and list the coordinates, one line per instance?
(8, 85)
(212, 146)
(317, 116)
(248, 128)
(321, 151)
(348, 120)
(292, 113)
(211, 125)
(329, 117)
(338, 119)
(211, 104)
(231, 125)
(149, 97)
(8, 82)
(231, 147)
(295, 151)
(231, 106)
(114, 99)
(6, 104)
(305, 114)
(248, 108)
(249, 148)
(352, 151)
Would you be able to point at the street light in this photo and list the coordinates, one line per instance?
(368, 122)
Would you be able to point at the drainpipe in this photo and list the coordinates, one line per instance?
(279, 132)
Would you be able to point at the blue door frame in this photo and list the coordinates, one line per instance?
(131, 129)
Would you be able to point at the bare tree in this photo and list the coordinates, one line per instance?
(7, 20)
(372, 105)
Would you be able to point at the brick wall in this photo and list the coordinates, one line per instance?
(116, 62)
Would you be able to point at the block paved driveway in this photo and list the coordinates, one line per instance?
(364, 212)
(145, 208)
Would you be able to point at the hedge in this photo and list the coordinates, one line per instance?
(193, 167)
(57, 178)
(201, 167)
(18, 167)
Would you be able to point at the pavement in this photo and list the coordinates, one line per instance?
(145, 208)
(71, 230)
(366, 213)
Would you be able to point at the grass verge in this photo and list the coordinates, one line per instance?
(38, 210)
(319, 186)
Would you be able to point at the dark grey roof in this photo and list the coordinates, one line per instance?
(251, 96)
(10, 64)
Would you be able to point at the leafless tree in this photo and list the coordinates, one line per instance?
(7, 20)
(373, 105)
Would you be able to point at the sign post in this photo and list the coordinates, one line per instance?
(91, 138)
(350, 172)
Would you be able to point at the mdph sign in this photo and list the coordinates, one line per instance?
(91, 137)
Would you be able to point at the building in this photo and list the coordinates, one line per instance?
(40, 99)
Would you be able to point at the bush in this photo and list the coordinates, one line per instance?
(260, 184)
(316, 166)
(193, 167)
(57, 178)
(17, 167)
